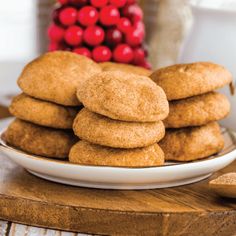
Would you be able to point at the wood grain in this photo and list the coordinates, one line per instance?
(188, 210)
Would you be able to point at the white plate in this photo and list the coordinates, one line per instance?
(172, 174)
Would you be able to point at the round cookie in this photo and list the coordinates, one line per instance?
(86, 153)
(55, 76)
(189, 144)
(101, 130)
(42, 112)
(39, 140)
(124, 96)
(197, 110)
(112, 66)
(187, 80)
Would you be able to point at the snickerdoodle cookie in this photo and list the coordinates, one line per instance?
(187, 80)
(112, 66)
(102, 130)
(42, 112)
(124, 96)
(55, 76)
(39, 140)
(86, 153)
(197, 110)
(188, 144)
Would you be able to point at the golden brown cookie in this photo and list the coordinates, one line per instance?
(86, 153)
(43, 113)
(187, 80)
(197, 110)
(189, 144)
(101, 130)
(112, 66)
(39, 140)
(55, 76)
(124, 96)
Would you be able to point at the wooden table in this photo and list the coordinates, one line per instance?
(189, 210)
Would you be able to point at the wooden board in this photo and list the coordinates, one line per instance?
(189, 210)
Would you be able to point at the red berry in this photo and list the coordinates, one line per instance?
(134, 38)
(139, 25)
(83, 51)
(53, 46)
(94, 35)
(124, 25)
(131, 1)
(99, 3)
(133, 12)
(113, 37)
(123, 53)
(146, 65)
(55, 15)
(139, 56)
(109, 15)
(87, 16)
(102, 54)
(118, 3)
(78, 3)
(73, 35)
(68, 16)
(63, 2)
(55, 33)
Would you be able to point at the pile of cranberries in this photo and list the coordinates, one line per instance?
(104, 30)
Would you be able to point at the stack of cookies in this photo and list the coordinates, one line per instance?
(193, 132)
(46, 109)
(121, 122)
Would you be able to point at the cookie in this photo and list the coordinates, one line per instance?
(124, 96)
(86, 153)
(187, 80)
(189, 144)
(101, 130)
(42, 112)
(197, 110)
(112, 66)
(39, 140)
(55, 77)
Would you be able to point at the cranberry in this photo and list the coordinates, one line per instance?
(63, 2)
(88, 16)
(78, 3)
(94, 35)
(118, 3)
(134, 38)
(73, 35)
(113, 37)
(102, 54)
(133, 12)
(55, 33)
(54, 46)
(139, 25)
(146, 65)
(123, 53)
(99, 3)
(109, 15)
(83, 51)
(124, 25)
(139, 56)
(131, 1)
(68, 16)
